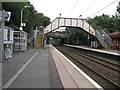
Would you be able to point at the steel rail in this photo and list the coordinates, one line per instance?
(110, 81)
(89, 57)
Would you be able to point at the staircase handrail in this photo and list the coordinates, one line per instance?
(107, 35)
(107, 38)
(99, 36)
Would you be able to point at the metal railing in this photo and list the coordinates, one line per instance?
(100, 38)
(103, 38)
(107, 38)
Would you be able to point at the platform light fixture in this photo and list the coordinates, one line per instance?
(22, 24)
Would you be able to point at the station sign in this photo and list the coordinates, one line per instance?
(5, 16)
(1, 16)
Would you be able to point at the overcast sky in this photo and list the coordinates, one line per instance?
(74, 8)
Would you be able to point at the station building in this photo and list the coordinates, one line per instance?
(115, 40)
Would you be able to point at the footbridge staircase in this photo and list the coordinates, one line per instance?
(58, 22)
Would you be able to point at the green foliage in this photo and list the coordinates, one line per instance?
(42, 21)
(14, 8)
(30, 15)
(55, 41)
(76, 33)
(106, 23)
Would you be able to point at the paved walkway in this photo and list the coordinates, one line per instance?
(31, 69)
(44, 68)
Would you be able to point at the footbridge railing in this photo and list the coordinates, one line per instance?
(69, 22)
(58, 22)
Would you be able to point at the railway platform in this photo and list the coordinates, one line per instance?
(44, 68)
(111, 52)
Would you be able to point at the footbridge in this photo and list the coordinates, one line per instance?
(58, 22)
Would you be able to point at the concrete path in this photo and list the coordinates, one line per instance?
(38, 71)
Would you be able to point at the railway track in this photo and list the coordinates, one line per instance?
(103, 62)
(102, 71)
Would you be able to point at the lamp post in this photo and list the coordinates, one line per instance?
(77, 41)
(1, 44)
(21, 24)
(1, 33)
(88, 37)
(60, 14)
(80, 16)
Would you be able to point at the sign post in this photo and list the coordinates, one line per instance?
(1, 33)
(1, 44)
(4, 17)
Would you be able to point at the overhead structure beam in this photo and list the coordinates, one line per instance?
(69, 22)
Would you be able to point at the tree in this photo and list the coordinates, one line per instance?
(117, 18)
(41, 20)
(14, 8)
(76, 33)
(30, 15)
(106, 23)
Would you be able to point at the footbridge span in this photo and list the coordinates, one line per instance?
(58, 22)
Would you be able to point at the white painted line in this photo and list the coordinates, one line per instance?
(0, 75)
(18, 73)
(84, 74)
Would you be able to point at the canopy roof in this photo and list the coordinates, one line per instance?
(114, 35)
